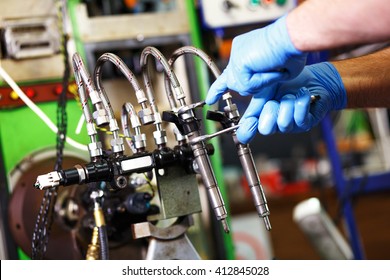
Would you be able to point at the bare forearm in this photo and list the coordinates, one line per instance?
(366, 80)
(324, 24)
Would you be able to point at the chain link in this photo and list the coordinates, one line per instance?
(45, 218)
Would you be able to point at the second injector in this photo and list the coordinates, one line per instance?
(229, 120)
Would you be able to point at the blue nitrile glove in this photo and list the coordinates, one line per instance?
(287, 107)
(259, 58)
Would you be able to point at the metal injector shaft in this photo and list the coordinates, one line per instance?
(204, 167)
(228, 119)
(188, 125)
(248, 165)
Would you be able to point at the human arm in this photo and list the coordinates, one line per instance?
(277, 52)
(257, 59)
(318, 24)
(366, 79)
(286, 107)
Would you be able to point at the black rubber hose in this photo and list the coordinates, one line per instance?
(103, 240)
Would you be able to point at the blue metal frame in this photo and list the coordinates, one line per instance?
(347, 189)
(343, 187)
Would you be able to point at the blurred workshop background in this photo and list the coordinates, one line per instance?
(327, 190)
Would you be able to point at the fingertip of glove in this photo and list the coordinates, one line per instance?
(244, 139)
(212, 95)
(210, 99)
(303, 97)
(247, 129)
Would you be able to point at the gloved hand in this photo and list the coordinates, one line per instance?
(287, 107)
(257, 59)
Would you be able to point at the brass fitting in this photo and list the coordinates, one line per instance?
(93, 247)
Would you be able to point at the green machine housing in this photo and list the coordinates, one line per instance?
(31, 56)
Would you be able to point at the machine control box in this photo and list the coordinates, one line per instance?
(228, 13)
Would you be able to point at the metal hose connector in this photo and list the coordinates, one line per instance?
(160, 134)
(202, 55)
(136, 141)
(83, 81)
(140, 95)
(100, 224)
(171, 76)
(93, 248)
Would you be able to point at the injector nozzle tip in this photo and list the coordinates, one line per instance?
(225, 226)
(267, 223)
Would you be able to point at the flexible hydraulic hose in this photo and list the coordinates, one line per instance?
(106, 102)
(193, 51)
(128, 112)
(100, 223)
(120, 65)
(160, 134)
(171, 76)
(103, 240)
(83, 79)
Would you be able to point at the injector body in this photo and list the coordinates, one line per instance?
(229, 120)
(188, 124)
